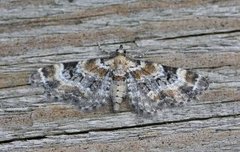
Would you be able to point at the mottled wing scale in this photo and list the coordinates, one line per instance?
(153, 86)
(147, 86)
(85, 84)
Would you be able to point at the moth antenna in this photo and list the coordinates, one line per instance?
(121, 47)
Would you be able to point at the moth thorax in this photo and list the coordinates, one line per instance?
(118, 93)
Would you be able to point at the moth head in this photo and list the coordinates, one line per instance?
(121, 51)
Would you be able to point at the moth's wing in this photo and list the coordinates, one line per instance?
(152, 86)
(84, 84)
(138, 99)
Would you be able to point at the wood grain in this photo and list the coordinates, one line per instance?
(193, 34)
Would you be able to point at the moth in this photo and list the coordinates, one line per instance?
(147, 86)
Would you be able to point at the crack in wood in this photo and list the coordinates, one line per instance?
(116, 128)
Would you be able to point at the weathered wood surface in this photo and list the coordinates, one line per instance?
(203, 35)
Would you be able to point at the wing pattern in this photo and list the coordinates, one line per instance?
(148, 86)
(154, 86)
(76, 83)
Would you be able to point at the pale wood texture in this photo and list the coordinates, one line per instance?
(196, 34)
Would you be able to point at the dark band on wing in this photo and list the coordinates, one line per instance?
(48, 71)
(92, 67)
(45, 77)
(70, 65)
(168, 69)
(53, 83)
(191, 77)
(170, 73)
(148, 69)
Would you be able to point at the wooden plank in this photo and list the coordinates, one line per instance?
(193, 34)
(214, 133)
